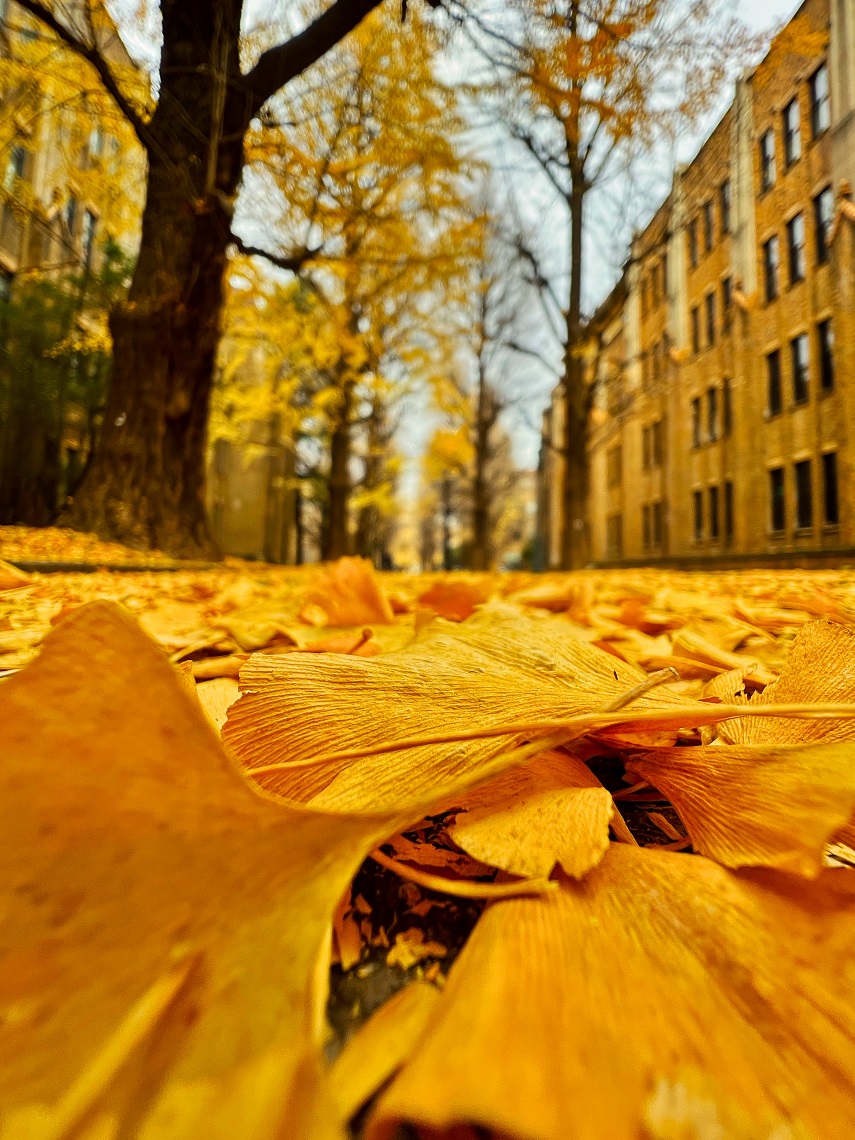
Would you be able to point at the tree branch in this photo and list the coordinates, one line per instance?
(93, 56)
(292, 264)
(279, 65)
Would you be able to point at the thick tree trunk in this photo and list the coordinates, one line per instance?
(336, 536)
(575, 550)
(146, 483)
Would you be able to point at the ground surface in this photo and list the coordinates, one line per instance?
(702, 639)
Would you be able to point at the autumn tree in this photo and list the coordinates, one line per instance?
(146, 485)
(584, 87)
(363, 177)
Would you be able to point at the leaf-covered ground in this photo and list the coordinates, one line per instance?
(292, 852)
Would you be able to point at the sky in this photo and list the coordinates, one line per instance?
(606, 248)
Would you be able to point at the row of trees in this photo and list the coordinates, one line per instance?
(348, 153)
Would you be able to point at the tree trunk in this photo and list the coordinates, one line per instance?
(574, 498)
(146, 483)
(479, 558)
(336, 537)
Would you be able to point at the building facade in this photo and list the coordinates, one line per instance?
(727, 386)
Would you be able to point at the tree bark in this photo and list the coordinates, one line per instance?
(575, 551)
(336, 536)
(145, 485)
(479, 558)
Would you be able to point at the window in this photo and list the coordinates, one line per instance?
(709, 226)
(96, 143)
(646, 448)
(90, 223)
(792, 133)
(696, 330)
(804, 496)
(614, 466)
(776, 498)
(724, 206)
(771, 263)
(767, 160)
(712, 413)
(773, 373)
(709, 301)
(658, 529)
(713, 495)
(823, 215)
(726, 408)
(829, 488)
(6, 279)
(693, 242)
(696, 422)
(698, 502)
(614, 536)
(656, 449)
(15, 167)
(801, 366)
(728, 511)
(71, 215)
(796, 244)
(726, 301)
(647, 526)
(825, 343)
(820, 106)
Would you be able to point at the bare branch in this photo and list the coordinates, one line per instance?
(93, 56)
(292, 264)
(280, 64)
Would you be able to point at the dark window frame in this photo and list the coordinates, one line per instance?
(698, 515)
(820, 101)
(768, 164)
(825, 346)
(774, 394)
(823, 220)
(830, 494)
(797, 248)
(792, 132)
(772, 268)
(777, 500)
(803, 476)
(800, 368)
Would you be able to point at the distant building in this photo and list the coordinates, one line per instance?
(69, 176)
(723, 423)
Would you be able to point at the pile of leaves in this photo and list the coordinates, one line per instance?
(581, 844)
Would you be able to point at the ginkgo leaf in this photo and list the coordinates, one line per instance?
(381, 1046)
(457, 597)
(820, 668)
(663, 996)
(11, 578)
(501, 672)
(164, 921)
(553, 810)
(757, 805)
(349, 593)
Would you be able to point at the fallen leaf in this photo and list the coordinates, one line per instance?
(772, 806)
(163, 921)
(381, 1046)
(552, 810)
(411, 947)
(663, 996)
(456, 598)
(349, 593)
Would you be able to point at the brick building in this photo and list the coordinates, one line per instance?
(723, 427)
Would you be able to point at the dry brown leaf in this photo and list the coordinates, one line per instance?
(553, 810)
(381, 1046)
(663, 997)
(772, 806)
(349, 593)
(411, 947)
